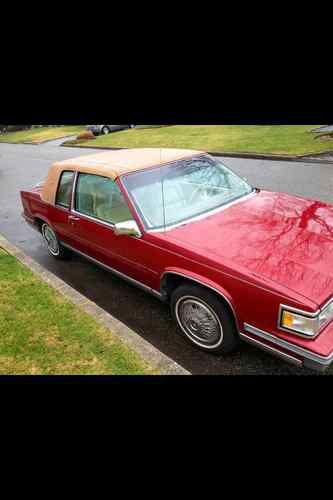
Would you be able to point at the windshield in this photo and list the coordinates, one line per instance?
(185, 189)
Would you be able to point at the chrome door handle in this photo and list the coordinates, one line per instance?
(72, 219)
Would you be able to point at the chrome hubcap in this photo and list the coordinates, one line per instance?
(199, 322)
(51, 240)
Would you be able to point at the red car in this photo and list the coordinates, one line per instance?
(234, 262)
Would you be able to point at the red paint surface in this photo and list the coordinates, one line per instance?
(269, 249)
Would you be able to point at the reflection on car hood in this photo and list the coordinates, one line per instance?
(284, 238)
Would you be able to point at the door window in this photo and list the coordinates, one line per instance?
(101, 198)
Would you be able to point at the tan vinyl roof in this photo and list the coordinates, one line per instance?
(112, 164)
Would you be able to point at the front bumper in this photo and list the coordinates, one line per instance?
(284, 349)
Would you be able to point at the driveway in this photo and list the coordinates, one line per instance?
(58, 142)
(22, 166)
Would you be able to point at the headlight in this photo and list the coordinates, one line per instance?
(326, 315)
(298, 323)
(305, 324)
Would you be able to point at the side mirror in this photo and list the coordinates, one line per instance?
(127, 228)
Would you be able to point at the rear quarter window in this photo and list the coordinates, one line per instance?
(64, 193)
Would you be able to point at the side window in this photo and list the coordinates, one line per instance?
(64, 193)
(101, 198)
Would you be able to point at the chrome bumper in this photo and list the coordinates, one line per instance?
(278, 347)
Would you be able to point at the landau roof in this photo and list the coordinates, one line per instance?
(112, 164)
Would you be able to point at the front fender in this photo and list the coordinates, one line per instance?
(202, 280)
(43, 218)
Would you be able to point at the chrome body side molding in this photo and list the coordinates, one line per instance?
(309, 358)
(134, 282)
(271, 350)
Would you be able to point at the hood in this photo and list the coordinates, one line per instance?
(284, 238)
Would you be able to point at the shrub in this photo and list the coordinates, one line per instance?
(86, 135)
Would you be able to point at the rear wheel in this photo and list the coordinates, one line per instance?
(52, 243)
(204, 319)
(105, 130)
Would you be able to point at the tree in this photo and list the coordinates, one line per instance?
(13, 128)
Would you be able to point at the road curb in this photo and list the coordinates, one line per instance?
(300, 159)
(78, 146)
(250, 156)
(144, 349)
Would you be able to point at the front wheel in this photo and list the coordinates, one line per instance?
(52, 243)
(204, 319)
(105, 130)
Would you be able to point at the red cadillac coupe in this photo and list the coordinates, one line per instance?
(232, 261)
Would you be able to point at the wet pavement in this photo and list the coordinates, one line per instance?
(22, 166)
(322, 156)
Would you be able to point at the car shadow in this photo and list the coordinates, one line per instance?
(151, 319)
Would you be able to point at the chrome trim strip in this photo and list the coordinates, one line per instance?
(203, 216)
(326, 305)
(311, 356)
(94, 219)
(114, 271)
(271, 350)
(300, 311)
(74, 190)
(207, 286)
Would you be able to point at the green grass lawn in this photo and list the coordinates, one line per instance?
(43, 333)
(286, 140)
(38, 135)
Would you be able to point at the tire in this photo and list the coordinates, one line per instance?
(52, 243)
(105, 130)
(204, 319)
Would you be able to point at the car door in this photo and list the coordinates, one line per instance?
(98, 205)
(59, 214)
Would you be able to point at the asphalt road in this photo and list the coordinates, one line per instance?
(22, 166)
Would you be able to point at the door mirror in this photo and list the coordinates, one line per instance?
(127, 228)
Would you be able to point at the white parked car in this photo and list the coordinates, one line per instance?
(107, 129)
